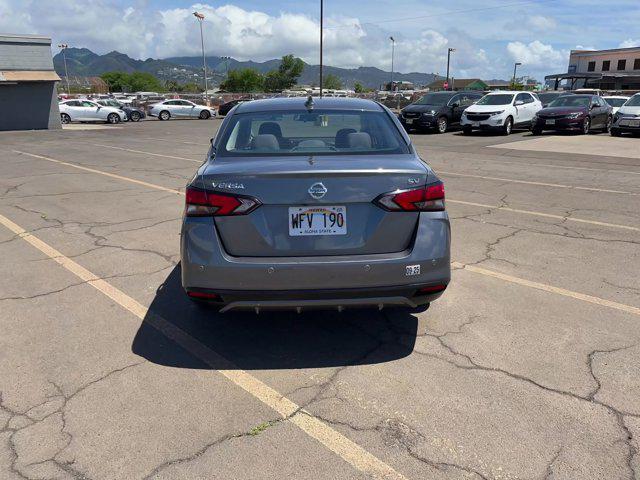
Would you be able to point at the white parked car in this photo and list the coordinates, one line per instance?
(627, 118)
(501, 111)
(180, 109)
(616, 101)
(80, 110)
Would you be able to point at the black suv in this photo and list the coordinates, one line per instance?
(437, 111)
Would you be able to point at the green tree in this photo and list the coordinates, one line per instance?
(136, 81)
(191, 88)
(117, 81)
(172, 86)
(331, 82)
(243, 80)
(286, 76)
(358, 88)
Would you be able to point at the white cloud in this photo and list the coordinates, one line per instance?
(628, 43)
(540, 22)
(536, 54)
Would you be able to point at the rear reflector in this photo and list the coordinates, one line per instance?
(202, 203)
(429, 198)
(204, 295)
(432, 289)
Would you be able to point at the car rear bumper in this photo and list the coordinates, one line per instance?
(322, 280)
(560, 124)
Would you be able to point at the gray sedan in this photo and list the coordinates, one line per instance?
(180, 109)
(314, 204)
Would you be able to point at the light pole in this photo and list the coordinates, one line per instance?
(321, 26)
(515, 67)
(393, 46)
(200, 18)
(64, 46)
(449, 50)
(226, 65)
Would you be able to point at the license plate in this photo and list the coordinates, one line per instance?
(625, 123)
(475, 124)
(550, 122)
(409, 121)
(329, 220)
(634, 123)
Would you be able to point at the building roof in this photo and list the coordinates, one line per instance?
(298, 103)
(456, 82)
(598, 52)
(13, 38)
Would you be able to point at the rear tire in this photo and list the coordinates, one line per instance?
(536, 131)
(443, 125)
(586, 126)
(135, 116)
(113, 118)
(205, 115)
(164, 115)
(614, 132)
(508, 126)
(467, 130)
(65, 118)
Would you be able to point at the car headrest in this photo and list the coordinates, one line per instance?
(359, 140)
(341, 137)
(271, 128)
(266, 142)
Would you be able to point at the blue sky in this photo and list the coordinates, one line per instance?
(489, 36)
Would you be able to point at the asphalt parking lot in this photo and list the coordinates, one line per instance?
(527, 368)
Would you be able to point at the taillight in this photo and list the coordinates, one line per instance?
(202, 203)
(428, 198)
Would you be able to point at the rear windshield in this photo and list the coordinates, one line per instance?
(321, 132)
(571, 101)
(497, 99)
(615, 102)
(437, 99)
(547, 97)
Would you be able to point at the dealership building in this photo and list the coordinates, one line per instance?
(27, 83)
(615, 69)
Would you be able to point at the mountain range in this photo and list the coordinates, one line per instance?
(84, 62)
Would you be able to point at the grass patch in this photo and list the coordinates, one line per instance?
(257, 430)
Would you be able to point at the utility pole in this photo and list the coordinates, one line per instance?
(515, 67)
(200, 18)
(449, 50)
(321, 31)
(64, 46)
(393, 46)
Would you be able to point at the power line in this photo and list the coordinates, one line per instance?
(433, 15)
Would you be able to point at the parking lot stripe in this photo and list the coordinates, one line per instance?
(548, 165)
(101, 172)
(495, 207)
(539, 184)
(147, 153)
(547, 215)
(175, 141)
(549, 288)
(348, 450)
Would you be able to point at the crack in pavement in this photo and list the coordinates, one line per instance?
(60, 412)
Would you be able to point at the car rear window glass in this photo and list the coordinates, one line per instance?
(437, 99)
(571, 101)
(615, 102)
(497, 99)
(318, 132)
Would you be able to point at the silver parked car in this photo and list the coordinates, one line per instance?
(180, 109)
(316, 203)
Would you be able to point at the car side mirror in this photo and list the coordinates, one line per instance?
(519, 102)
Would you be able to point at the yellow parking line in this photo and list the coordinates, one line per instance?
(547, 215)
(348, 450)
(496, 207)
(548, 165)
(147, 153)
(539, 184)
(549, 288)
(101, 172)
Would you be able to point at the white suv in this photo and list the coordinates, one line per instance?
(501, 111)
